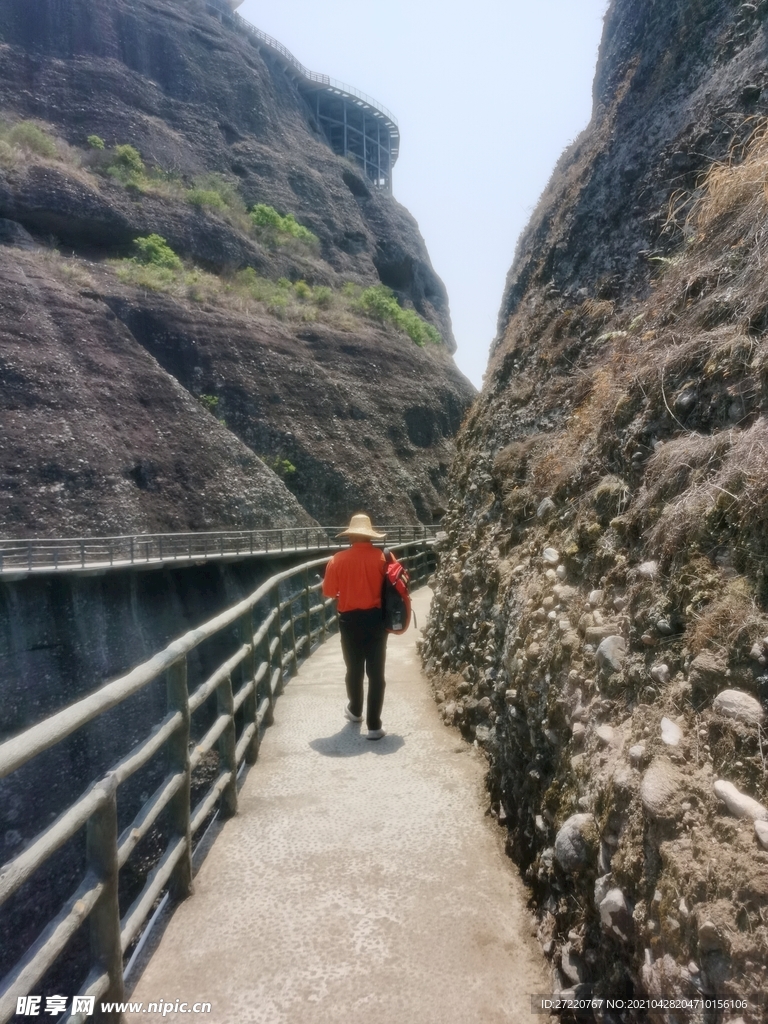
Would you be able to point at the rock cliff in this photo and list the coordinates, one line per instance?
(599, 625)
(267, 357)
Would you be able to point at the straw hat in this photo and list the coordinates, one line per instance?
(360, 526)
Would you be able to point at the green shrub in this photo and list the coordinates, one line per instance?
(95, 142)
(379, 303)
(266, 217)
(302, 291)
(283, 467)
(205, 198)
(278, 228)
(126, 165)
(322, 297)
(155, 251)
(28, 136)
(209, 402)
(292, 227)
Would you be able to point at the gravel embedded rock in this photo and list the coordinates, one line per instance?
(575, 842)
(739, 705)
(637, 755)
(671, 734)
(611, 654)
(660, 790)
(739, 804)
(616, 914)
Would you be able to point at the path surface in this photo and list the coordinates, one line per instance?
(360, 880)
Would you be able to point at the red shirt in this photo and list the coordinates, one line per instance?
(355, 576)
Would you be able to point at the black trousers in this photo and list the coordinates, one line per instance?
(364, 646)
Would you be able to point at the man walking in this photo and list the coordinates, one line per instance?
(354, 577)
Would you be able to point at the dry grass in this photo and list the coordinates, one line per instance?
(730, 623)
(738, 187)
(708, 486)
(27, 143)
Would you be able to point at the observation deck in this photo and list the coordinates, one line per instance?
(355, 125)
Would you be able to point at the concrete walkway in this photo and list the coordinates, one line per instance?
(360, 880)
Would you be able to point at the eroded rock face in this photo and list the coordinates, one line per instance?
(604, 395)
(365, 417)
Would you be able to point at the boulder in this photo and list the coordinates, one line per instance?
(606, 735)
(739, 804)
(575, 842)
(603, 886)
(761, 831)
(660, 790)
(660, 673)
(14, 234)
(546, 509)
(616, 914)
(551, 556)
(611, 654)
(671, 734)
(739, 705)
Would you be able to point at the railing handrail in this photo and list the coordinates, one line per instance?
(41, 555)
(208, 533)
(279, 643)
(312, 77)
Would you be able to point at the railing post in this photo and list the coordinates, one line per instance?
(293, 637)
(82, 555)
(307, 607)
(227, 745)
(251, 705)
(269, 716)
(130, 546)
(101, 857)
(178, 757)
(279, 622)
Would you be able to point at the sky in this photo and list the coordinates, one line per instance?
(487, 96)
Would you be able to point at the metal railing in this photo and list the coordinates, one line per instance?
(46, 555)
(312, 77)
(275, 629)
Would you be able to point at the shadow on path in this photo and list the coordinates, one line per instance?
(350, 742)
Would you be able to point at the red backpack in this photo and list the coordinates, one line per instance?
(395, 599)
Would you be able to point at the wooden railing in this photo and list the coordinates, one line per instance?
(275, 628)
(54, 554)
